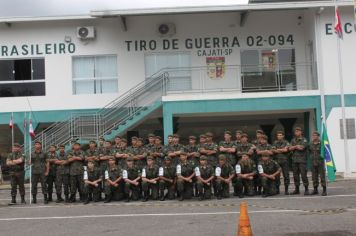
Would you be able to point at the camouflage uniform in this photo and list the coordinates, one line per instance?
(134, 151)
(51, 178)
(174, 148)
(132, 173)
(150, 173)
(245, 185)
(17, 174)
(299, 162)
(212, 159)
(168, 172)
(90, 191)
(76, 174)
(122, 161)
(318, 168)
(192, 149)
(282, 160)
(92, 153)
(160, 150)
(231, 157)
(39, 162)
(205, 172)
(242, 148)
(223, 188)
(62, 176)
(184, 188)
(112, 192)
(269, 167)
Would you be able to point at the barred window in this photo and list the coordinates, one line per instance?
(350, 129)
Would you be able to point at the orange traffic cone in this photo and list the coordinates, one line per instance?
(244, 224)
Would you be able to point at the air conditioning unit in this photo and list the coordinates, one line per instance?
(166, 29)
(86, 32)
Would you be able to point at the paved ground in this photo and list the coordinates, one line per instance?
(334, 215)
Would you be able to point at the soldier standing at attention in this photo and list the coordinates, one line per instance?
(269, 170)
(113, 178)
(92, 178)
(245, 173)
(92, 154)
(228, 148)
(280, 149)
(76, 162)
(210, 149)
(151, 142)
(117, 141)
(167, 179)
(131, 175)
(51, 178)
(185, 174)
(16, 163)
(40, 169)
(174, 149)
(139, 153)
(224, 173)
(205, 176)
(318, 169)
(122, 153)
(238, 136)
(192, 150)
(157, 152)
(150, 179)
(244, 147)
(298, 146)
(62, 175)
(104, 156)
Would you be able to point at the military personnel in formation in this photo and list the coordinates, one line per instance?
(228, 148)
(245, 174)
(101, 144)
(224, 174)
(157, 151)
(106, 153)
(40, 170)
(131, 175)
(192, 150)
(202, 140)
(117, 142)
(151, 142)
(185, 174)
(76, 159)
(16, 163)
(244, 147)
(281, 151)
(113, 182)
(318, 169)
(298, 147)
(122, 153)
(268, 170)
(210, 150)
(174, 149)
(205, 175)
(51, 178)
(92, 179)
(138, 152)
(259, 134)
(92, 154)
(62, 175)
(167, 179)
(263, 147)
(238, 136)
(150, 179)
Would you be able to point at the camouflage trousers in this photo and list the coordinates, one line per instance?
(133, 189)
(38, 178)
(76, 182)
(184, 188)
(90, 190)
(51, 181)
(62, 180)
(147, 187)
(244, 186)
(115, 193)
(17, 178)
(169, 186)
(285, 173)
(222, 188)
(300, 169)
(268, 185)
(204, 189)
(319, 171)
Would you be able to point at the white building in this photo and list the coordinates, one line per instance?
(185, 69)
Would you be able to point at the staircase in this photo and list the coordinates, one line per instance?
(111, 120)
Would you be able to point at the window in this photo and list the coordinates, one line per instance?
(22, 77)
(268, 69)
(179, 78)
(95, 74)
(350, 129)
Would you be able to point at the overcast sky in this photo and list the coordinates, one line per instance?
(12, 8)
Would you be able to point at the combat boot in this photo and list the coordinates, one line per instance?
(50, 199)
(286, 192)
(277, 189)
(259, 190)
(306, 192)
(13, 200)
(127, 198)
(145, 196)
(201, 196)
(324, 191)
(315, 192)
(219, 195)
(107, 198)
(34, 198)
(87, 200)
(23, 201)
(72, 198)
(161, 193)
(66, 198)
(45, 199)
(296, 191)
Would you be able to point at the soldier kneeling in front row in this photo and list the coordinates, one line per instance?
(245, 174)
(131, 175)
(167, 179)
(150, 180)
(185, 174)
(224, 173)
(205, 175)
(269, 170)
(92, 181)
(113, 178)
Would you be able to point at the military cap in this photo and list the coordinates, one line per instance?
(209, 134)
(17, 145)
(112, 159)
(298, 128)
(52, 145)
(61, 146)
(101, 139)
(129, 158)
(192, 137)
(167, 158)
(259, 131)
(183, 153)
(202, 136)
(316, 133)
(222, 157)
(244, 153)
(38, 142)
(124, 140)
(76, 143)
(244, 135)
(92, 141)
(149, 158)
(175, 135)
(151, 135)
(134, 138)
(203, 158)
(92, 161)
(170, 136)
(117, 136)
(280, 132)
(227, 132)
(158, 137)
(264, 137)
(140, 139)
(238, 132)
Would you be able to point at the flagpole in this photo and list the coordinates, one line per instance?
(12, 130)
(30, 153)
(343, 111)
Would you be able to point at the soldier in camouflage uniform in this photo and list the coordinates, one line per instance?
(167, 179)
(318, 169)
(238, 136)
(151, 142)
(76, 159)
(244, 147)
(92, 179)
(16, 163)
(62, 175)
(131, 175)
(202, 140)
(205, 175)
(51, 178)
(280, 149)
(138, 153)
(268, 170)
(101, 144)
(224, 173)
(262, 148)
(157, 151)
(113, 182)
(245, 173)
(117, 142)
(122, 153)
(185, 174)
(92, 154)
(106, 153)
(150, 180)
(174, 149)
(228, 148)
(210, 149)
(40, 169)
(192, 150)
(298, 147)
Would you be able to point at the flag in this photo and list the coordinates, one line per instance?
(31, 131)
(326, 154)
(338, 27)
(24, 123)
(11, 123)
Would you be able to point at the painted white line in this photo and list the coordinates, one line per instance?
(144, 215)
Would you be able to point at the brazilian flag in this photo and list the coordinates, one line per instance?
(327, 155)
